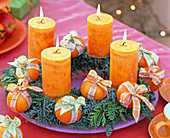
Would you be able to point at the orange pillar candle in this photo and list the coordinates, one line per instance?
(100, 33)
(41, 35)
(56, 72)
(123, 62)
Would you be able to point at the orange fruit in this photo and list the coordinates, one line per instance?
(75, 52)
(66, 117)
(6, 9)
(21, 103)
(3, 128)
(99, 94)
(123, 89)
(33, 73)
(143, 63)
(152, 86)
(2, 34)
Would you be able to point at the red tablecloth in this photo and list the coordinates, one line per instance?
(72, 15)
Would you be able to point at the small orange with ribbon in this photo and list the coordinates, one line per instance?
(18, 99)
(26, 68)
(129, 94)
(10, 128)
(147, 58)
(74, 43)
(68, 109)
(94, 87)
(153, 75)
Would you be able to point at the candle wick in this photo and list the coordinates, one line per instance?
(57, 50)
(123, 43)
(98, 17)
(41, 21)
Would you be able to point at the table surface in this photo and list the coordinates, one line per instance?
(72, 15)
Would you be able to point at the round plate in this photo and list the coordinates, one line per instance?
(165, 89)
(98, 130)
(154, 121)
(4, 3)
(15, 39)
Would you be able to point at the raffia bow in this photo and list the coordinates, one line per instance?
(150, 57)
(152, 73)
(97, 80)
(71, 41)
(132, 95)
(11, 126)
(68, 103)
(22, 64)
(21, 90)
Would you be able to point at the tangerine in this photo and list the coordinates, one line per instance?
(99, 94)
(75, 52)
(2, 129)
(66, 117)
(21, 103)
(121, 89)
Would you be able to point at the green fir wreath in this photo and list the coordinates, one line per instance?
(107, 112)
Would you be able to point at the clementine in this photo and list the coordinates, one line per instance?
(3, 128)
(121, 89)
(99, 94)
(66, 117)
(75, 52)
(21, 103)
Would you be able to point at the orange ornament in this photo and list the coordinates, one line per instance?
(26, 68)
(6, 9)
(68, 109)
(147, 58)
(2, 129)
(153, 75)
(2, 34)
(129, 95)
(18, 99)
(74, 43)
(94, 87)
(10, 128)
(121, 89)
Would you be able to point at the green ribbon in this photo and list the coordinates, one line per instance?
(11, 126)
(69, 103)
(150, 57)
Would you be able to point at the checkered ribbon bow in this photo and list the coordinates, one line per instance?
(71, 41)
(152, 73)
(150, 57)
(22, 64)
(11, 127)
(69, 103)
(21, 90)
(97, 80)
(132, 95)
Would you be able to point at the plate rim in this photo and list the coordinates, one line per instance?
(151, 123)
(19, 41)
(6, 4)
(66, 129)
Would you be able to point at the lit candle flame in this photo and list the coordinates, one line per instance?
(98, 11)
(57, 44)
(41, 14)
(124, 37)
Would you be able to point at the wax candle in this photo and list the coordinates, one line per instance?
(123, 61)
(41, 35)
(100, 33)
(56, 71)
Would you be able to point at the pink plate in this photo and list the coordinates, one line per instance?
(76, 82)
